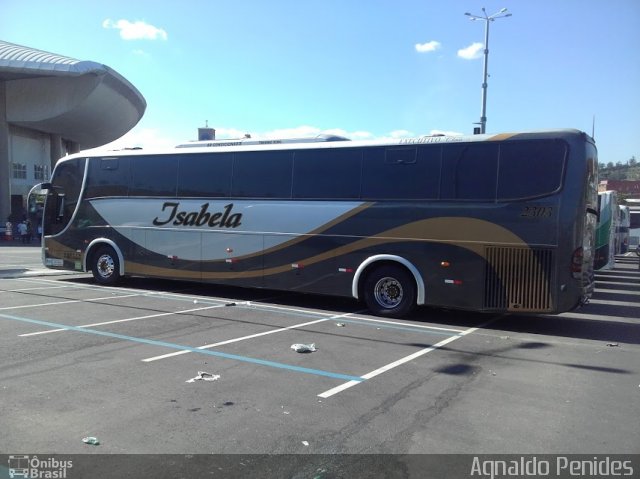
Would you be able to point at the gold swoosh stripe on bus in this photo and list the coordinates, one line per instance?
(298, 237)
(469, 233)
(502, 136)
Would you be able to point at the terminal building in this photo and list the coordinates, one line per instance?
(51, 106)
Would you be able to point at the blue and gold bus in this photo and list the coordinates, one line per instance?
(501, 222)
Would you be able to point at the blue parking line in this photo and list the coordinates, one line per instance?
(164, 344)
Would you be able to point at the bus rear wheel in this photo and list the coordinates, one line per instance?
(105, 266)
(390, 291)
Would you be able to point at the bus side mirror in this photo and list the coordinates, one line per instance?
(46, 186)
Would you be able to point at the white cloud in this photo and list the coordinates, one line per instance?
(400, 134)
(137, 30)
(229, 133)
(471, 52)
(303, 131)
(431, 46)
(147, 138)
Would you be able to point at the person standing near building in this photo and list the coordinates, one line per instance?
(29, 231)
(22, 231)
(8, 233)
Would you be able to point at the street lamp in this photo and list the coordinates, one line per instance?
(501, 14)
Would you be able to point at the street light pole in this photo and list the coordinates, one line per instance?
(501, 14)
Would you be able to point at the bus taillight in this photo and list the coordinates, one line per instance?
(576, 262)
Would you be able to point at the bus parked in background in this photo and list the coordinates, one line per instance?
(634, 224)
(623, 229)
(607, 232)
(500, 223)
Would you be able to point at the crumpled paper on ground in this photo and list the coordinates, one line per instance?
(304, 348)
(204, 376)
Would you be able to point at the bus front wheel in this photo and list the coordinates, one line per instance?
(390, 291)
(105, 266)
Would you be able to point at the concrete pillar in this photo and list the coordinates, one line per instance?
(74, 147)
(57, 150)
(5, 160)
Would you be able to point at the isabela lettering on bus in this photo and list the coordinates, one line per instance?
(221, 219)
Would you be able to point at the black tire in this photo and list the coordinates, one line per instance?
(105, 266)
(390, 291)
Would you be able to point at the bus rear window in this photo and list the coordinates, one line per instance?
(528, 169)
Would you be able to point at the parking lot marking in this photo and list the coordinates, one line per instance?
(415, 328)
(353, 319)
(404, 360)
(614, 303)
(243, 338)
(20, 290)
(164, 344)
(158, 315)
(438, 328)
(169, 295)
(71, 301)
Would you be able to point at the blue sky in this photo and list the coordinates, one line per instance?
(362, 68)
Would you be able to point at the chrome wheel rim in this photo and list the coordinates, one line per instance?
(106, 266)
(388, 292)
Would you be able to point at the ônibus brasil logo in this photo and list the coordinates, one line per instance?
(32, 467)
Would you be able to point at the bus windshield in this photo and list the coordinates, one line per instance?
(63, 195)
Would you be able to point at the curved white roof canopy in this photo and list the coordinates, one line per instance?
(82, 101)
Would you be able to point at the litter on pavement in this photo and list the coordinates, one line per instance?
(304, 348)
(204, 376)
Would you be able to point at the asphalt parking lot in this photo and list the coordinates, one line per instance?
(79, 360)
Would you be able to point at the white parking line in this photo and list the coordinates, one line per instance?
(408, 325)
(175, 295)
(614, 303)
(71, 301)
(158, 315)
(251, 336)
(359, 318)
(20, 290)
(401, 361)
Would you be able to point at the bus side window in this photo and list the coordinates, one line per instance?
(322, 174)
(154, 176)
(262, 174)
(469, 172)
(205, 175)
(107, 177)
(401, 173)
